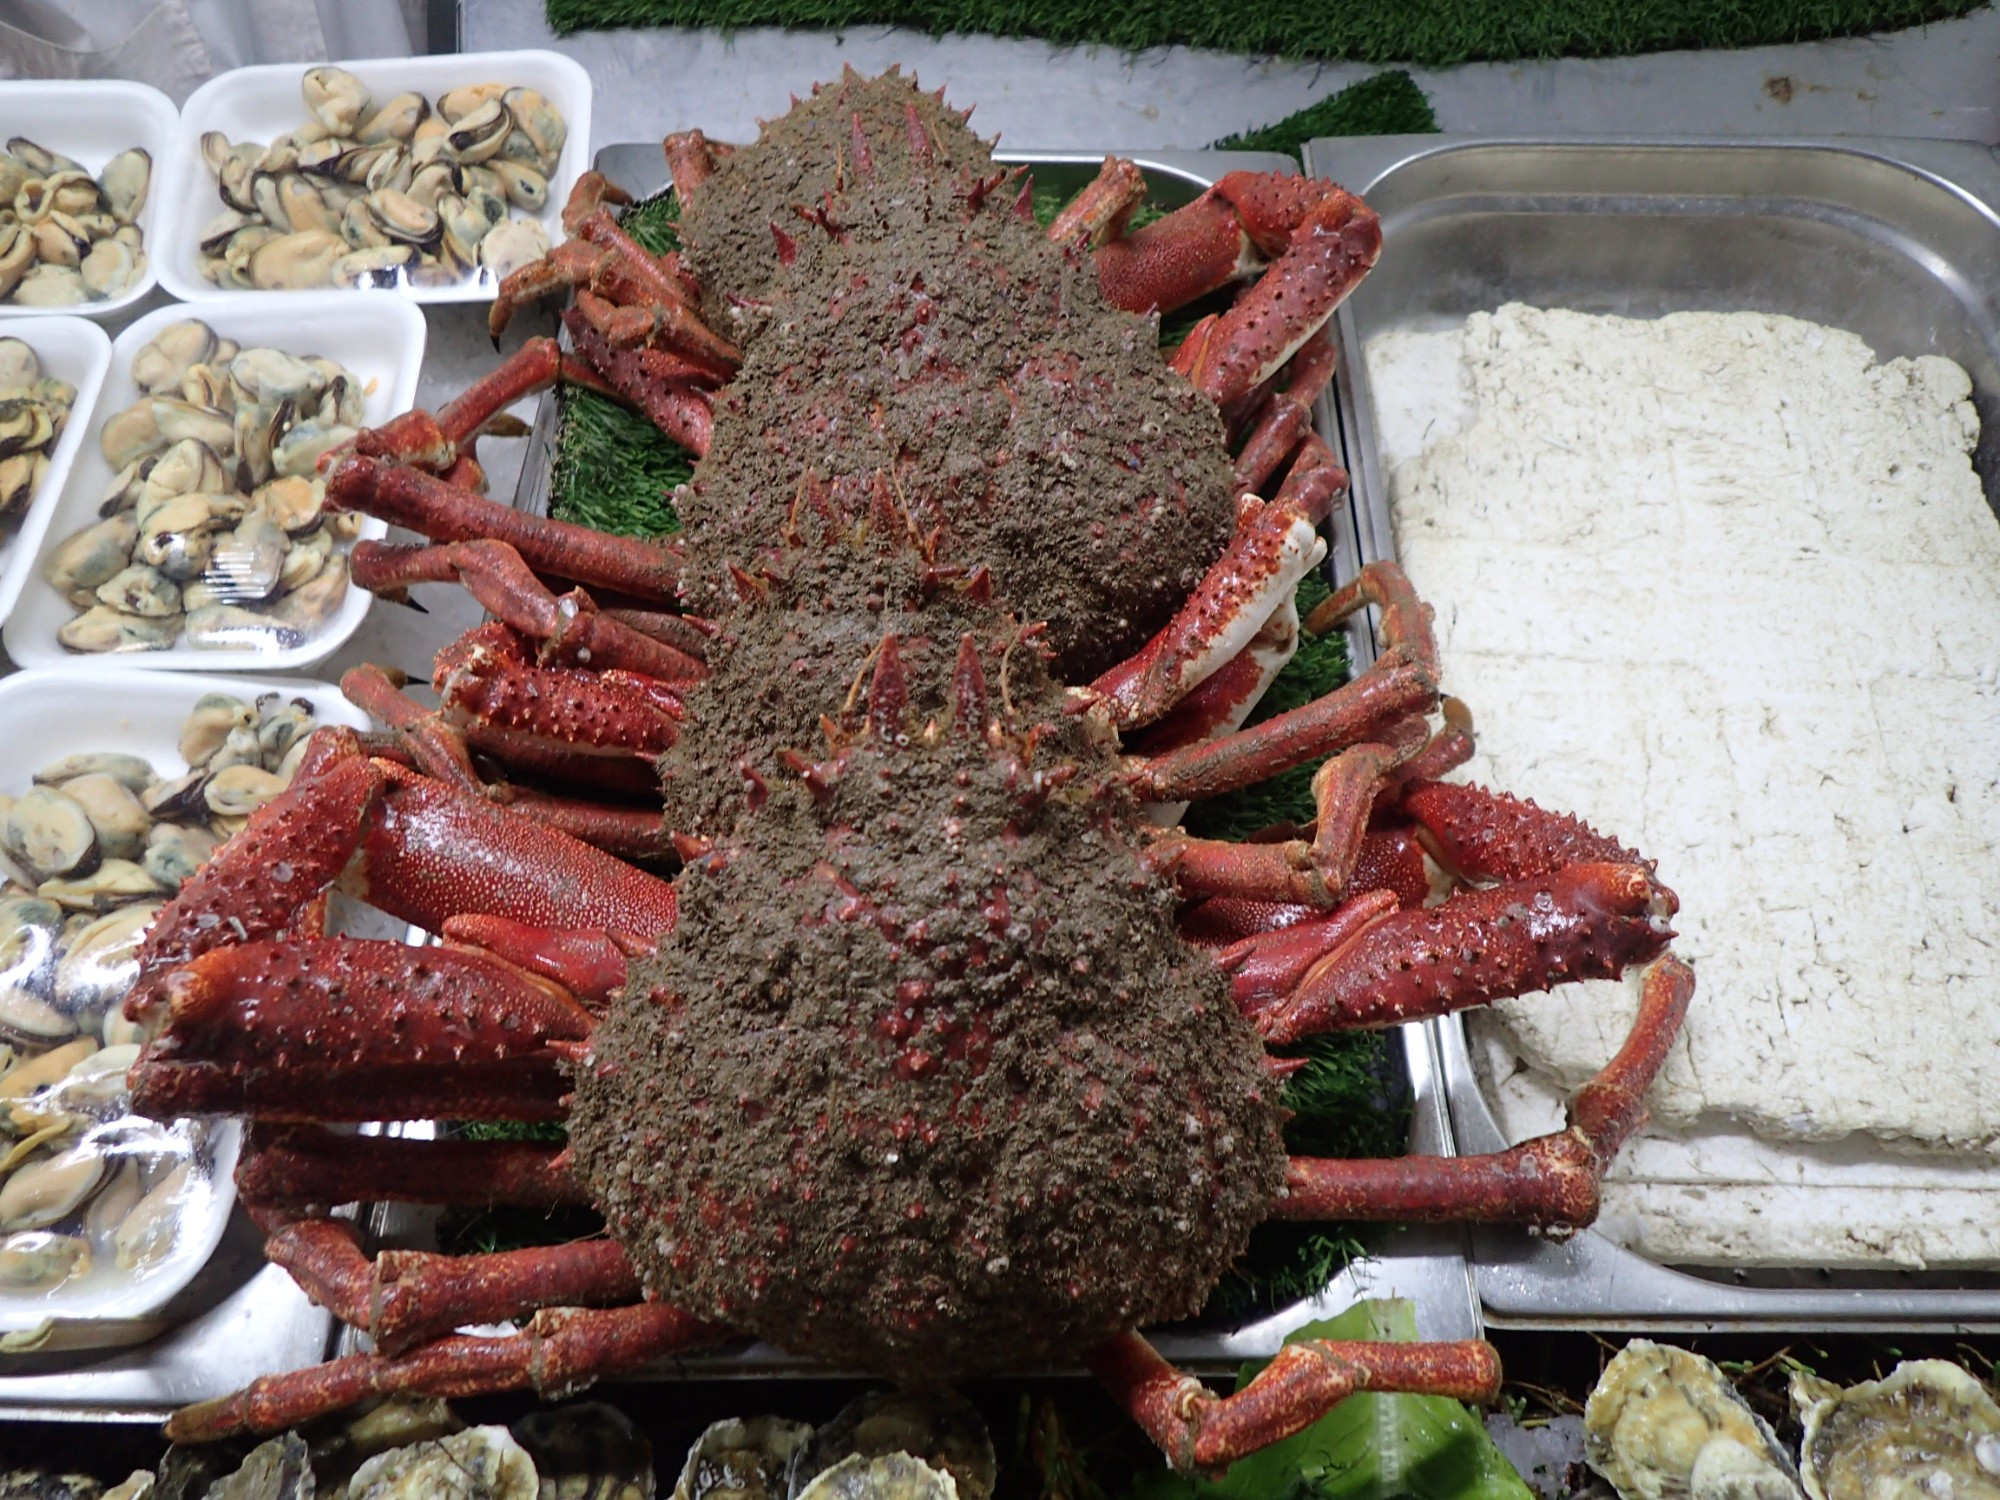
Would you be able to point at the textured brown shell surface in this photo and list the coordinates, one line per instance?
(929, 338)
(926, 1084)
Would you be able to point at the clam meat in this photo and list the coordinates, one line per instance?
(356, 196)
(217, 500)
(91, 1196)
(33, 413)
(69, 237)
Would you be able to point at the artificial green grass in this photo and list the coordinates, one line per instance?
(1387, 104)
(1430, 33)
(613, 469)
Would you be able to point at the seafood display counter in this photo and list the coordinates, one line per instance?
(1899, 237)
(1897, 241)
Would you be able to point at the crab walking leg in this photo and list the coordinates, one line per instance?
(402, 842)
(441, 749)
(434, 442)
(668, 325)
(1231, 232)
(1581, 922)
(1236, 351)
(1201, 1432)
(1098, 213)
(1366, 710)
(1224, 699)
(598, 255)
(682, 412)
(1275, 545)
(431, 508)
(569, 628)
(691, 157)
(1485, 835)
(1552, 1182)
(1287, 416)
(400, 1298)
(351, 1030)
(1402, 682)
(291, 1167)
(560, 1351)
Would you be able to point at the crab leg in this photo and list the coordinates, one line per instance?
(1098, 213)
(347, 1029)
(560, 1351)
(1287, 416)
(598, 254)
(1224, 699)
(430, 507)
(1320, 241)
(1589, 921)
(296, 1166)
(433, 442)
(1551, 1182)
(667, 324)
(1201, 1432)
(682, 413)
(569, 629)
(403, 1297)
(1275, 544)
(1486, 835)
(1401, 682)
(691, 157)
(440, 748)
(402, 842)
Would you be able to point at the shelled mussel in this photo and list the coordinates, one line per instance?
(213, 532)
(92, 849)
(370, 192)
(34, 408)
(67, 237)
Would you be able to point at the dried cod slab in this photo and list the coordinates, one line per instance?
(1737, 587)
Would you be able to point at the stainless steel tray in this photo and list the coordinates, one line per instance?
(243, 1319)
(1424, 1263)
(1898, 240)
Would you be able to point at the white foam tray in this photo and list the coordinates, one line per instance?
(90, 122)
(137, 713)
(79, 352)
(262, 103)
(381, 339)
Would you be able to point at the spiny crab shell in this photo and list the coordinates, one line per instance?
(1074, 1133)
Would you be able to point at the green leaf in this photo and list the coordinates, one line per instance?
(1370, 1447)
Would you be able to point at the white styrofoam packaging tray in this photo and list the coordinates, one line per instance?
(259, 104)
(380, 339)
(137, 713)
(78, 352)
(90, 122)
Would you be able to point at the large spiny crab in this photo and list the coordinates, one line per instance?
(941, 1053)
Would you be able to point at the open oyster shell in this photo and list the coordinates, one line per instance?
(1666, 1424)
(1929, 1431)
